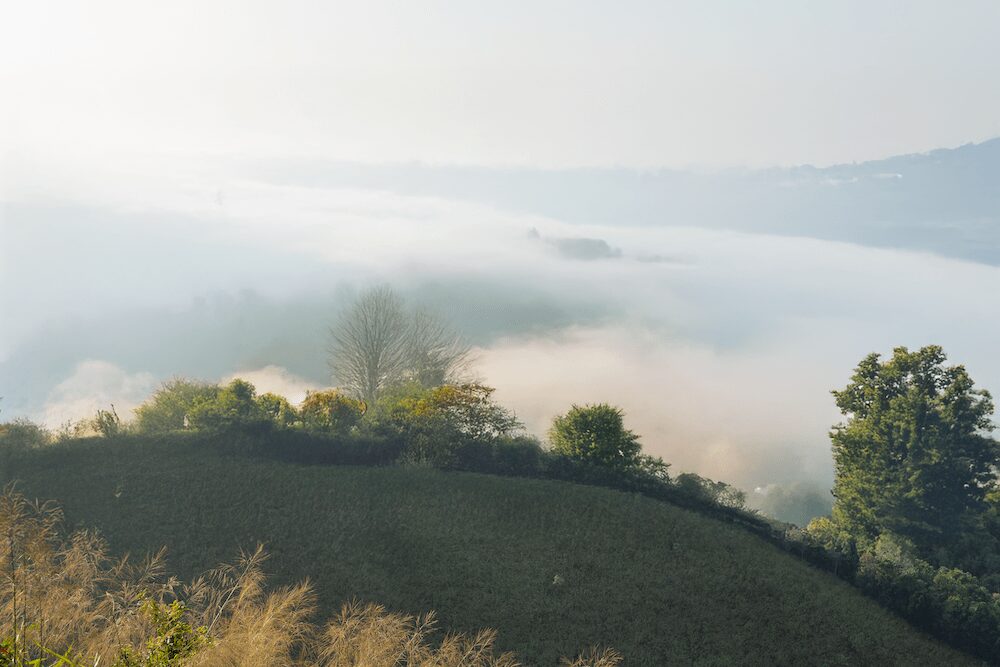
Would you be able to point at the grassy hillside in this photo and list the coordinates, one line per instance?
(553, 566)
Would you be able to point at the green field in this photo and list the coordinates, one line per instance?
(553, 566)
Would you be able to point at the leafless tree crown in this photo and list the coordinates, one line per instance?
(369, 343)
(378, 344)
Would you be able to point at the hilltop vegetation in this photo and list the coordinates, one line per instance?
(553, 567)
(915, 522)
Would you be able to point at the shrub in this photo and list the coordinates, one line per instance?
(518, 455)
(331, 411)
(108, 423)
(22, 434)
(716, 493)
(233, 406)
(947, 602)
(278, 410)
(427, 435)
(469, 408)
(167, 409)
(17, 437)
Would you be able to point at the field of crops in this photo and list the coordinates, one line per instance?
(554, 567)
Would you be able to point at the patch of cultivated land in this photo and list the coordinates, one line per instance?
(554, 567)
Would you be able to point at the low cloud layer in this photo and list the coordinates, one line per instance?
(722, 351)
(94, 385)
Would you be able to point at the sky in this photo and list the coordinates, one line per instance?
(199, 189)
(643, 84)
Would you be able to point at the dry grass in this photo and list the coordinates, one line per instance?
(64, 601)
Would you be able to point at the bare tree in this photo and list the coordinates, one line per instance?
(370, 344)
(436, 353)
(378, 344)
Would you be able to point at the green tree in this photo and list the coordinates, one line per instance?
(913, 456)
(167, 408)
(596, 433)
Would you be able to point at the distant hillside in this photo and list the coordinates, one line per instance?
(554, 567)
(944, 201)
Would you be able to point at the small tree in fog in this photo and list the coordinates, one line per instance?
(436, 353)
(597, 434)
(369, 344)
(377, 344)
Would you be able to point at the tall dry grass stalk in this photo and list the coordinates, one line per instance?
(66, 596)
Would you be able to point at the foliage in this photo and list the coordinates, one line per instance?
(278, 410)
(520, 455)
(950, 603)
(234, 405)
(108, 423)
(718, 493)
(433, 425)
(425, 435)
(173, 640)
(596, 433)
(911, 457)
(482, 551)
(331, 411)
(831, 536)
(167, 409)
(18, 437)
(468, 407)
(22, 434)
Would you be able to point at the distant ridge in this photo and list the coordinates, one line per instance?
(945, 201)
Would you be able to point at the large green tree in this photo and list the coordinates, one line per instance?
(913, 456)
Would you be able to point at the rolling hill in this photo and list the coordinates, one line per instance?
(554, 567)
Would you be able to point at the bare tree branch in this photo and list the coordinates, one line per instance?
(377, 344)
(369, 344)
(436, 353)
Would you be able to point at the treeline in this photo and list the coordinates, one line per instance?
(916, 517)
(451, 427)
(895, 553)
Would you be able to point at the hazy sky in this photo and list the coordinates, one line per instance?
(541, 82)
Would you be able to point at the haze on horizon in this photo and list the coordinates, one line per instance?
(192, 189)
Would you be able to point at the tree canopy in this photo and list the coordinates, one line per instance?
(913, 456)
(596, 433)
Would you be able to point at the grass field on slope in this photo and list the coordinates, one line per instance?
(554, 567)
